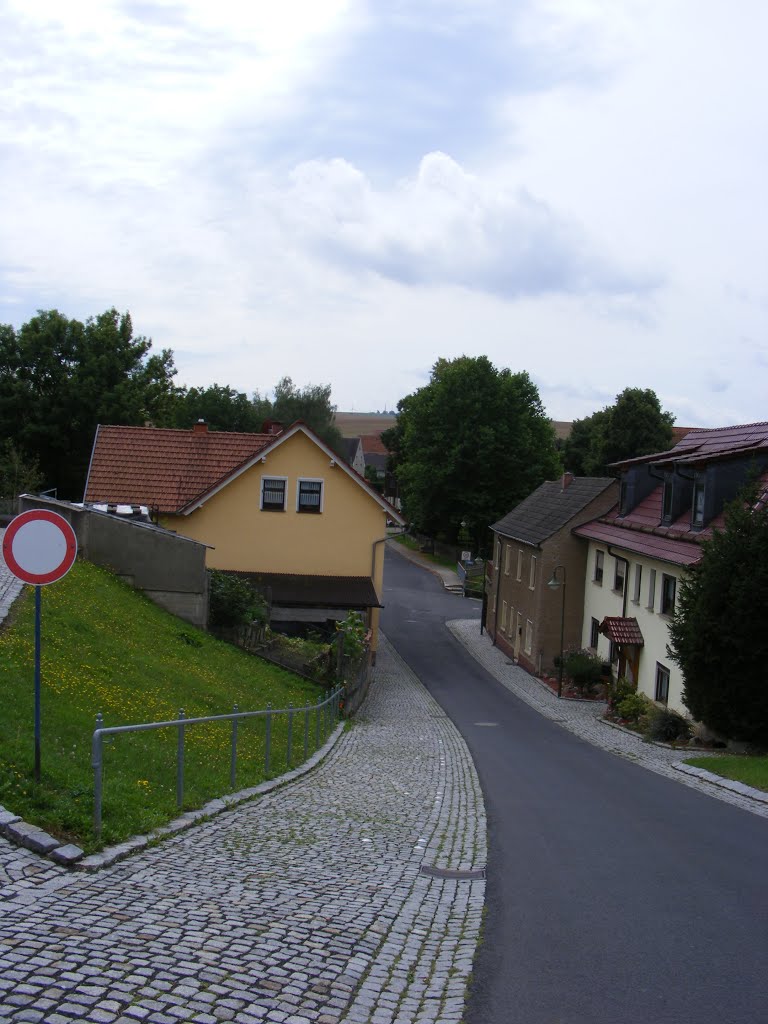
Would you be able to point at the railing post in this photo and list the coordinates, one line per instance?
(268, 740)
(180, 759)
(289, 741)
(97, 765)
(306, 730)
(233, 756)
(317, 725)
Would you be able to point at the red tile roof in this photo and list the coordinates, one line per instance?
(622, 631)
(707, 445)
(164, 469)
(373, 445)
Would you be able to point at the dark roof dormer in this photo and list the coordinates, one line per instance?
(636, 483)
(676, 495)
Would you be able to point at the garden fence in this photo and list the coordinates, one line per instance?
(318, 719)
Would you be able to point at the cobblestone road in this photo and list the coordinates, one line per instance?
(307, 905)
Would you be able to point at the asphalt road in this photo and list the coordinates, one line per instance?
(615, 896)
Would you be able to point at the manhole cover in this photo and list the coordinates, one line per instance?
(470, 875)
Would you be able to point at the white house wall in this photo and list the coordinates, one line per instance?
(600, 601)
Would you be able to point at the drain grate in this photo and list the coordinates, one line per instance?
(470, 875)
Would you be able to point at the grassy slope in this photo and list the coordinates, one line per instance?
(108, 649)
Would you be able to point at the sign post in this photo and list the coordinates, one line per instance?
(39, 547)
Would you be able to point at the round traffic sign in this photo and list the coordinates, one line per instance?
(39, 546)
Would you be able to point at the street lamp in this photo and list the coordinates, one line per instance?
(555, 584)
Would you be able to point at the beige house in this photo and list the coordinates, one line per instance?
(637, 553)
(282, 509)
(523, 614)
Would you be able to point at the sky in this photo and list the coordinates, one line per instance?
(344, 191)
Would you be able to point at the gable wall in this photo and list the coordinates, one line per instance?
(335, 542)
(600, 601)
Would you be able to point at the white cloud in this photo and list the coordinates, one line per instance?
(446, 226)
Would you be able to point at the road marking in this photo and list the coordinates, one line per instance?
(487, 725)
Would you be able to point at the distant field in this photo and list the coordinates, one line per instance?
(360, 424)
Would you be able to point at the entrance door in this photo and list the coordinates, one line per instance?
(518, 634)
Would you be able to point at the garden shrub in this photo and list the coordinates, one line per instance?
(634, 709)
(667, 726)
(619, 690)
(585, 670)
(234, 602)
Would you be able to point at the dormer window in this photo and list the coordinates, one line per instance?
(623, 494)
(697, 510)
(666, 500)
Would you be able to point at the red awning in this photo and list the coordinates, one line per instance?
(622, 631)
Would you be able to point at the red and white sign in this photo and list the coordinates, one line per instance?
(39, 546)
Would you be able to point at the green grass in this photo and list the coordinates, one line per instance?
(413, 545)
(752, 771)
(107, 648)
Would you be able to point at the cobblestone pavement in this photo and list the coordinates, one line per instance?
(307, 905)
(584, 718)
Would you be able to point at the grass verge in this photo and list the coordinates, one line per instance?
(106, 648)
(752, 771)
(413, 545)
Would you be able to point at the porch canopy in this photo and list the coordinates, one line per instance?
(331, 593)
(622, 631)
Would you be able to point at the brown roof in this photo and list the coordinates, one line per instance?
(707, 445)
(372, 444)
(291, 590)
(174, 471)
(622, 631)
(547, 509)
(164, 469)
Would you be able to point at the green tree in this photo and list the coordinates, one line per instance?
(312, 405)
(221, 407)
(634, 425)
(718, 635)
(59, 378)
(469, 446)
(18, 473)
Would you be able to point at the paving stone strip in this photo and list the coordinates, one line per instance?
(584, 718)
(305, 906)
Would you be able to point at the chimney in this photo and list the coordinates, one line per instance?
(568, 479)
(272, 427)
(201, 427)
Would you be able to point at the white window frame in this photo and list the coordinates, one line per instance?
(519, 564)
(594, 633)
(652, 590)
(507, 558)
(311, 480)
(619, 573)
(532, 574)
(503, 626)
(638, 583)
(664, 578)
(662, 676)
(264, 478)
(599, 572)
(528, 636)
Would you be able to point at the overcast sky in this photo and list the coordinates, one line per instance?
(344, 191)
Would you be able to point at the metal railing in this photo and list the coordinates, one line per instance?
(325, 712)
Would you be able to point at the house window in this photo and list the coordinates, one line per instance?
(497, 556)
(613, 652)
(503, 616)
(668, 588)
(528, 636)
(662, 683)
(507, 559)
(638, 583)
(594, 634)
(519, 564)
(618, 576)
(273, 494)
(310, 496)
(666, 500)
(651, 590)
(697, 511)
(532, 575)
(623, 498)
(599, 560)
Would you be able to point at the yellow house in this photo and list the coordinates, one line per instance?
(282, 509)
